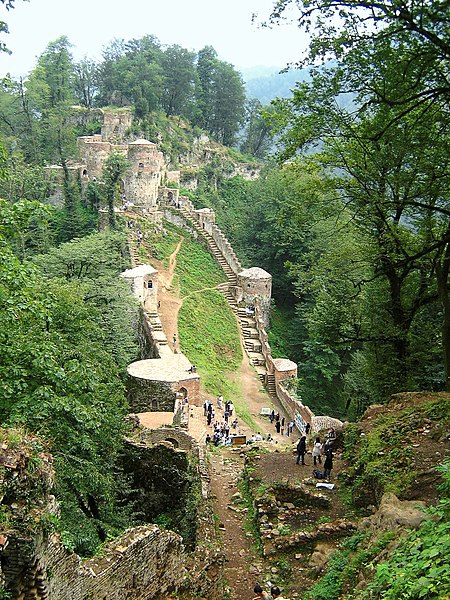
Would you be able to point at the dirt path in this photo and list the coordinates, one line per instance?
(169, 303)
(241, 557)
(243, 565)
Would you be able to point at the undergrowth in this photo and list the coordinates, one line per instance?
(382, 459)
(419, 567)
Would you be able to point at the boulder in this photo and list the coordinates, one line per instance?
(319, 558)
(394, 513)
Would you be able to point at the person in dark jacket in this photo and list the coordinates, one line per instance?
(301, 449)
(328, 464)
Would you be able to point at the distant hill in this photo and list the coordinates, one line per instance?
(267, 83)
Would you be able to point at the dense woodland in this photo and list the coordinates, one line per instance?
(351, 216)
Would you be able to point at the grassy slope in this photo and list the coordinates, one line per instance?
(208, 330)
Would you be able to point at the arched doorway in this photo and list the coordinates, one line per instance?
(182, 393)
(173, 441)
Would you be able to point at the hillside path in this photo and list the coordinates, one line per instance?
(242, 561)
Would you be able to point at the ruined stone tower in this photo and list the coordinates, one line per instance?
(143, 178)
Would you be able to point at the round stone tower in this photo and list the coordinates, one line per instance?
(256, 284)
(143, 178)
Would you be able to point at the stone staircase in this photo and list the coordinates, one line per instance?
(213, 247)
(251, 343)
(271, 388)
(249, 332)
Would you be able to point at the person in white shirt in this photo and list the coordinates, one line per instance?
(317, 451)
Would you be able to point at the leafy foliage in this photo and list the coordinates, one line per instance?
(59, 377)
(419, 566)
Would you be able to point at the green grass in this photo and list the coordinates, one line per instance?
(196, 269)
(158, 244)
(209, 336)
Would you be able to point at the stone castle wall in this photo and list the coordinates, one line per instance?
(145, 395)
(226, 249)
(142, 564)
(94, 151)
(179, 438)
(116, 124)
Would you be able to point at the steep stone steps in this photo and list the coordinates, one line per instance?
(257, 359)
(252, 345)
(261, 371)
(223, 288)
(271, 388)
(250, 334)
(213, 248)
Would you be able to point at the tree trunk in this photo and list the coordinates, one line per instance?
(442, 271)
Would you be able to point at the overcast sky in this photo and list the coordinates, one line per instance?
(92, 24)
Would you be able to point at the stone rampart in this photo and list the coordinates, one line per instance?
(177, 218)
(226, 249)
(297, 411)
(116, 124)
(145, 395)
(142, 564)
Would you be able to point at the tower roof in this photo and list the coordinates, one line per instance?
(139, 271)
(141, 142)
(255, 273)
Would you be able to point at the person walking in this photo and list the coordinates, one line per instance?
(317, 451)
(301, 449)
(328, 464)
(278, 426)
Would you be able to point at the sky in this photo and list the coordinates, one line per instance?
(91, 25)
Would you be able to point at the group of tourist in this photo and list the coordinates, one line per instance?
(221, 428)
(281, 426)
(259, 438)
(318, 449)
(274, 594)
